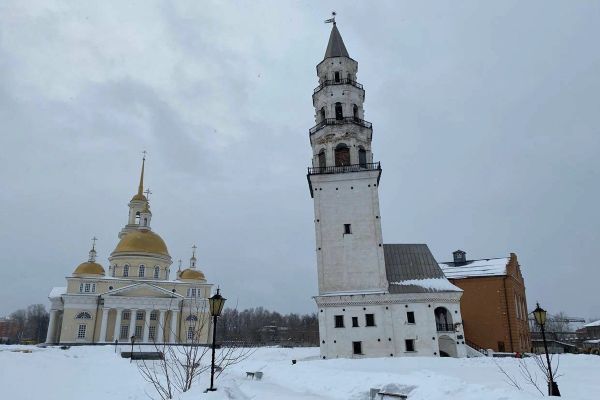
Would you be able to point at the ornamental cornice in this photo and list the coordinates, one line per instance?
(141, 302)
(388, 299)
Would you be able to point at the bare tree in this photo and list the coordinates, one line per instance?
(181, 365)
(530, 377)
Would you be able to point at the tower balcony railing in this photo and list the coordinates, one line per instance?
(443, 327)
(344, 81)
(339, 121)
(338, 169)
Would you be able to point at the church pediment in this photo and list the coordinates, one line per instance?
(142, 290)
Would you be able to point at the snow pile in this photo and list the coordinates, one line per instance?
(57, 291)
(431, 284)
(489, 267)
(98, 373)
(595, 323)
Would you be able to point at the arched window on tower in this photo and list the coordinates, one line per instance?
(322, 113)
(349, 76)
(156, 272)
(355, 111)
(137, 218)
(362, 157)
(126, 270)
(339, 115)
(336, 76)
(322, 158)
(342, 155)
(141, 271)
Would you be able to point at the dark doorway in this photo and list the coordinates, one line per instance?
(339, 115)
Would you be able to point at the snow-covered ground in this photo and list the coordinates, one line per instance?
(95, 373)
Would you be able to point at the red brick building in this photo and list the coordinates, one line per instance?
(493, 305)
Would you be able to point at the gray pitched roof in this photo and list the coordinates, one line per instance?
(412, 262)
(335, 47)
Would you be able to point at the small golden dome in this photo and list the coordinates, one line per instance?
(144, 241)
(191, 274)
(139, 197)
(89, 268)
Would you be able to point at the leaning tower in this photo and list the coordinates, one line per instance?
(344, 180)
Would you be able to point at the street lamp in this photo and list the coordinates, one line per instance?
(216, 304)
(540, 317)
(132, 342)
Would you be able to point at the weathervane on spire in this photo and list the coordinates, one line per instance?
(331, 20)
(144, 153)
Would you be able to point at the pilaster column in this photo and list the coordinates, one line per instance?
(104, 324)
(161, 326)
(146, 328)
(174, 323)
(117, 330)
(132, 320)
(50, 336)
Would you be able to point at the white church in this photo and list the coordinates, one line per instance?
(375, 299)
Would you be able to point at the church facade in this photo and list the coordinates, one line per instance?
(137, 299)
(375, 299)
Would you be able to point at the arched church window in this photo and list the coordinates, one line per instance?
(137, 218)
(156, 272)
(84, 315)
(362, 157)
(322, 113)
(145, 221)
(141, 271)
(339, 115)
(355, 111)
(126, 271)
(322, 158)
(336, 76)
(342, 155)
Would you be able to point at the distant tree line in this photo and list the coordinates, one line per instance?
(25, 325)
(263, 327)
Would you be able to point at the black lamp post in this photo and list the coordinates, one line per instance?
(540, 317)
(216, 304)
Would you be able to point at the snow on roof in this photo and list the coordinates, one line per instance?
(595, 323)
(57, 291)
(592, 341)
(430, 285)
(475, 268)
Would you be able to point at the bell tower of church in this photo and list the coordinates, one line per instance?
(344, 180)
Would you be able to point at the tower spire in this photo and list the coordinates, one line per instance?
(335, 47)
(141, 186)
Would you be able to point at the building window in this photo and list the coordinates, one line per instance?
(336, 76)
(139, 316)
(83, 315)
(81, 288)
(124, 332)
(322, 159)
(126, 315)
(153, 316)
(156, 272)
(410, 317)
(138, 332)
(362, 157)
(141, 271)
(355, 111)
(126, 270)
(93, 288)
(501, 348)
(339, 321)
(87, 287)
(114, 271)
(355, 322)
(357, 347)
(81, 331)
(347, 229)
(342, 155)
(152, 332)
(137, 218)
(190, 333)
(410, 344)
(339, 115)
(370, 319)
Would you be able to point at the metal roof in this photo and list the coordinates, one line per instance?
(411, 262)
(336, 47)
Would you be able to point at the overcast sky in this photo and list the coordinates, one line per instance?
(486, 120)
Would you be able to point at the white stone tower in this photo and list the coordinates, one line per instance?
(344, 180)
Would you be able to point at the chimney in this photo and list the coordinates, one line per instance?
(459, 257)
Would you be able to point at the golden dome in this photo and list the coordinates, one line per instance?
(191, 274)
(89, 268)
(144, 241)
